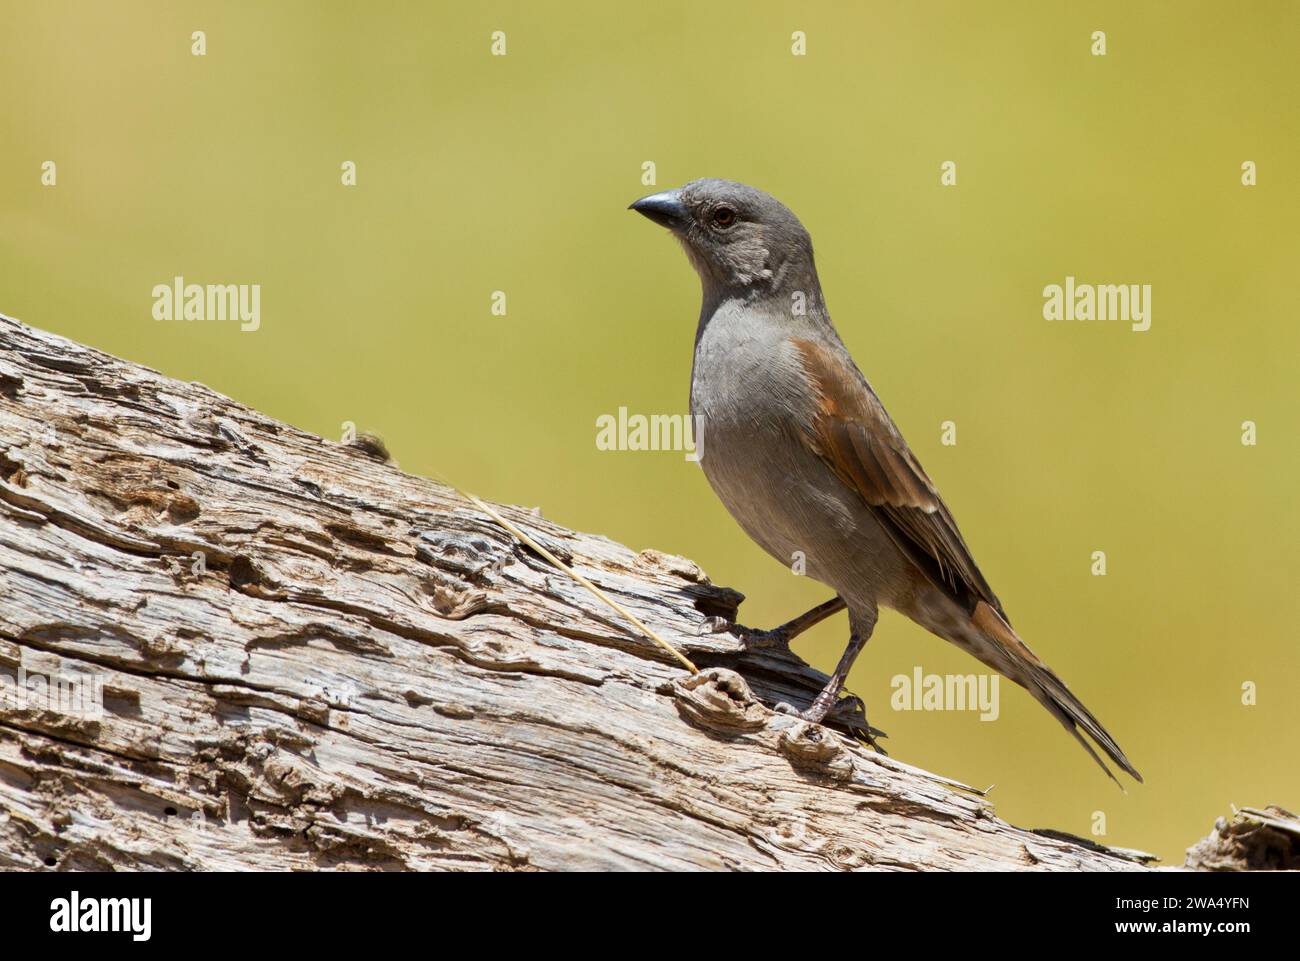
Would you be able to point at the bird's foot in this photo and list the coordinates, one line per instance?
(851, 711)
(756, 640)
(854, 713)
(750, 638)
(820, 707)
(713, 625)
(778, 638)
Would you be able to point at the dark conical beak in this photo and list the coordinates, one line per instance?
(666, 209)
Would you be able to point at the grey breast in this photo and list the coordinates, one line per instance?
(751, 397)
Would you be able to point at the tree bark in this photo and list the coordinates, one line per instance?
(309, 659)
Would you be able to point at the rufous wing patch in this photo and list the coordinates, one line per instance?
(854, 435)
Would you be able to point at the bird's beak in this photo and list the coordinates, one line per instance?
(665, 209)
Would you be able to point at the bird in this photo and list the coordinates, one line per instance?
(801, 452)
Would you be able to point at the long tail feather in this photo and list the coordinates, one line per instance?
(1021, 665)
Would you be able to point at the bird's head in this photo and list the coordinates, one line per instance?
(739, 239)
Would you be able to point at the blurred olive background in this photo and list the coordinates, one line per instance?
(479, 173)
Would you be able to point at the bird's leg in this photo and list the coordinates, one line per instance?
(859, 633)
(787, 632)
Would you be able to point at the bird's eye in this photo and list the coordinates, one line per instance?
(724, 216)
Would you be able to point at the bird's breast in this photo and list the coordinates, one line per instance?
(747, 375)
(753, 405)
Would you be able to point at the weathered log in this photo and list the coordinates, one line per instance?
(1251, 840)
(309, 659)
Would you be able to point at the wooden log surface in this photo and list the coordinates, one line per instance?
(308, 659)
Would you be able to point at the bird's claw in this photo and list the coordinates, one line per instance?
(713, 625)
(755, 640)
(816, 713)
(750, 638)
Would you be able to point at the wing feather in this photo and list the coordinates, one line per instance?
(858, 440)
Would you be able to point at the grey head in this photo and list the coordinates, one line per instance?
(741, 241)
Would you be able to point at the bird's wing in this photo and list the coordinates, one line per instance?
(854, 435)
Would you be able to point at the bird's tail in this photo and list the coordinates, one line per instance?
(1006, 653)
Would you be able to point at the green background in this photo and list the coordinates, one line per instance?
(479, 173)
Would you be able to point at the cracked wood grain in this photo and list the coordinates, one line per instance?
(312, 660)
